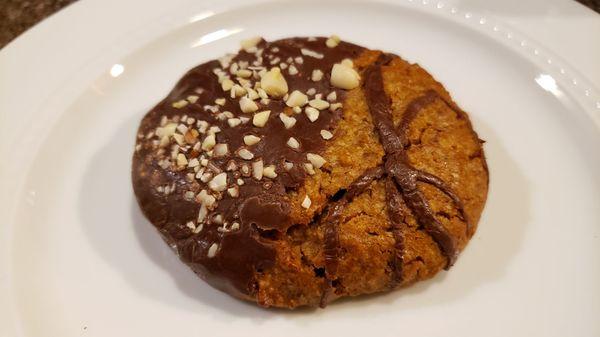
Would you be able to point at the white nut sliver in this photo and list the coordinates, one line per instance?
(306, 202)
(257, 169)
(233, 122)
(220, 150)
(251, 140)
(296, 98)
(247, 105)
(326, 134)
(316, 160)
(227, 84)
(332, 41)
(234, 192)
(218, 183)
(344, 77)
(250, 43)
(269, 172)
(261, 118)
(181, 160)
(287, 121)
(316, 75)
(293, 143)
(311, 113)
(209, 142)
(332, 96)
(212, 250)
(245, 154)
(319, 104)
(273, 83)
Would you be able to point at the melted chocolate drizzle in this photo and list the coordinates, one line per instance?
(401, 180)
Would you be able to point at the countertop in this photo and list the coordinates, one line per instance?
(16, 16)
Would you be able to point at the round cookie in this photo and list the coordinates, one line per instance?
(307, 169)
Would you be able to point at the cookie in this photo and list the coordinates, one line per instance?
(304, 170)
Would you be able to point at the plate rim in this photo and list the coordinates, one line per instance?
(18, 53)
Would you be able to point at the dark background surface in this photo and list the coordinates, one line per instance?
(16, 16)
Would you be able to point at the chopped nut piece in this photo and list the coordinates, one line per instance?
(252, 94)
(293, 143)
(283, 65)
(316, 75)
(308, 167)
(292, 70)
(245, 154)
(311, 91)
(179, 104)
(332, 96)
(188, 195)
(288, 165)
(261, 118)
(192, 98)
(311, 113)
(274, 83)
(247, 105)
(190, 225)
(288, 121)
(335, 106)
(193, 163)
(251, 140)
(209, 142)
(315, 159)
(244, 73)
(218, 183)
(235, 226)
(306, 202)
(212, 250)
(299, 59)
(231, 166)
(227, 84)
(179, 139)
(269, 172)
(296, 98)
(261, 92)
(319, 104)
(234, 191)
(220, 101)
(181, 160)
(257, 169)
(344, 77)
(202, 213)
(297, 109)
(332, 41)
(206, 177)
(348, 63)
(237, 91)
(245, 169)
(220, 150)
(233, 122)
(167, 130)
(311, 53)
(326, 134)
(214, 129)
(240, 181)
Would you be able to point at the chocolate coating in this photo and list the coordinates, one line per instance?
(262, 204)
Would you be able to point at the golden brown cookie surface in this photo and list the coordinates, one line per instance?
(318, 179)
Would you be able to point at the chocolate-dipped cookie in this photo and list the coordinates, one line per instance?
(307, 169)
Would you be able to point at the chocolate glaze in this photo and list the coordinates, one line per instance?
(262, 206)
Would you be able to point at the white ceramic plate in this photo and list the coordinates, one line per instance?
(78, 259)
